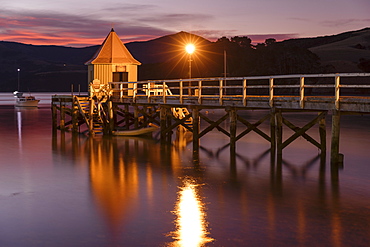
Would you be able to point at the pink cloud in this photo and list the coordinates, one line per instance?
(67, 30)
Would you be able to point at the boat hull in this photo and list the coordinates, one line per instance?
(143, 131)
(28, 103)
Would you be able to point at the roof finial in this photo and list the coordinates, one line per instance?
(112, 27)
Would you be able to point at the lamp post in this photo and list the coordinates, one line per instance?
(18, 72)
(190, 48)
(225, 69)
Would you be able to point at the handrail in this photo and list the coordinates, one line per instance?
(222, 88)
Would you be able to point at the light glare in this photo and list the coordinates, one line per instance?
(191, 222)
(190, 48)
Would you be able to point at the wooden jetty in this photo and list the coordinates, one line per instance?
(169, 104)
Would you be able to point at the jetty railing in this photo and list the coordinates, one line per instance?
(329, 91)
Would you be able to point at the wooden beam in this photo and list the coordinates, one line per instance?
(181, 121)
(301, 131)
(253, 127)
(214, 124)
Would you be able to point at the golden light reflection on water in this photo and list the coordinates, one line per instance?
(191, 218)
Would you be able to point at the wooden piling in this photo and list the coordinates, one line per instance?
(110, 116)
(196, 122)
(62, 116)
(54, 113)
(163, 123)
(233, 121)
(127, 117)
(273, 134)
(91, 113)
(335, 131)
(279, 136)
(75, 113)
(169, 124)
(322, 131)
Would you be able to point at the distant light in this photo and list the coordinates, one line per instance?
(190, 48)
(18, 70)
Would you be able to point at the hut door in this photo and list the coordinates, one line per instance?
(120, 76)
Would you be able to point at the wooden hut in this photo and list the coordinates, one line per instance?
(112, 62)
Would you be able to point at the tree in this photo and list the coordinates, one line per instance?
(243, 42)
(270, 41)
(223, 40)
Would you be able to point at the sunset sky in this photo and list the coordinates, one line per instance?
(80, 23)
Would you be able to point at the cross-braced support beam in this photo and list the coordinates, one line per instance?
(280, 121)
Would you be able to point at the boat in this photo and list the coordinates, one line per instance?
(25, 101)
(135, 132)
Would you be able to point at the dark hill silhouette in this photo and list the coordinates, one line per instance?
(323, 40)
(55, 68)
(345, 52)
(164, 48)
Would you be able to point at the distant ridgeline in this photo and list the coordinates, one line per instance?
(55, 68)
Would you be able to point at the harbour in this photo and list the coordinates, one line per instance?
(112, 190)
(276, 160)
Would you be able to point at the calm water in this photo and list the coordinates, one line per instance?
(66, 190)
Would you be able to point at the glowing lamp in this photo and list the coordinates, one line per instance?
(190, 48)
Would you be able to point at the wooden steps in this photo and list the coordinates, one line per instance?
(92, 116)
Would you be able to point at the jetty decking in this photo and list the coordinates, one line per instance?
(172, 103)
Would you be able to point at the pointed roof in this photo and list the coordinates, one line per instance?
(112, 51)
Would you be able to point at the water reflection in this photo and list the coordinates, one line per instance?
(25, 117)
(19, 128)
(191, 218)
(114, 181)
(134, 184)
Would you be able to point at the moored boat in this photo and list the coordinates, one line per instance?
(135, 132)
(25, 101)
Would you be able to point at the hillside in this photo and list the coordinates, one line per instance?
(345, 55)
(43, 68)
(340, 53)
(55, 68)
